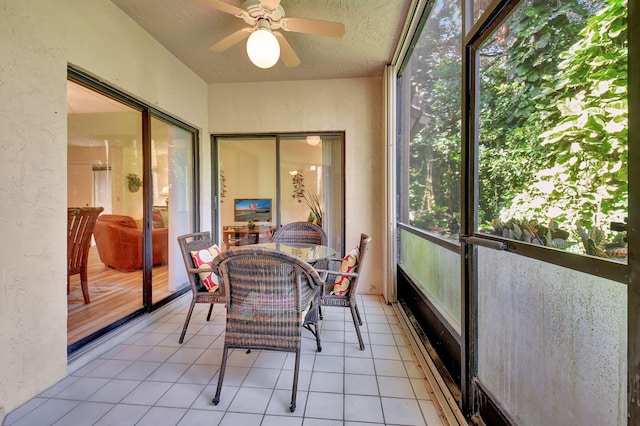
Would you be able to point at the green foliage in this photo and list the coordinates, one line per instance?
(530, 231)
(434, 157)
(134, 179)
(553, 122)
(595, 243)
(513, 63)
(439, 221)
(584, 178)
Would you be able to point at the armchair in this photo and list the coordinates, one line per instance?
(267, 292)
(339, 287)
(80, 225)
(119, 243)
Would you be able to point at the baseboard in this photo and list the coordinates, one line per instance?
(443, 399)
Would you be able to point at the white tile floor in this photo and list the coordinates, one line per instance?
(147, 378)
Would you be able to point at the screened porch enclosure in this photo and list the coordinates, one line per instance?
(514, 201)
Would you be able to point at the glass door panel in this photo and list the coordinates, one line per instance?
(248, 193)
(104, 169)
(172, 187)
(312, 184)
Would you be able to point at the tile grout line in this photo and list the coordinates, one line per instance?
(444, 401)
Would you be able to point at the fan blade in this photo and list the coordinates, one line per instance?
(313, 26)
(223, 7)
(287, 54)
(270, 4)
(231, 40)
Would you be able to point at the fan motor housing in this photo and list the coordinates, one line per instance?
(257, 11)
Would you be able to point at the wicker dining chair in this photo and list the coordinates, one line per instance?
(192, 243)
(300, 232)
(80, 224)
(345, 296)
(267, 294)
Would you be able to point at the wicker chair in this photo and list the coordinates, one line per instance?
(348, 299)
(267, 291)
(189, 243)
(300, 232)
(80, 224)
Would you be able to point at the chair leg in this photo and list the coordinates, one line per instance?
(314, 330)
(358, 314)
(210, 310)
(186, 321)
(216, 398)
(294, 392)
(84, 282)
(355, 316)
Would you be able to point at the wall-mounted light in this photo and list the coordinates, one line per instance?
(313, 140)
(263, 47)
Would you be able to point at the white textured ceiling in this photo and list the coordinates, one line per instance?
(188, 28)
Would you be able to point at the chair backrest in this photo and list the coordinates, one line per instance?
(80, 224)
(363, 247)
(194, 242)
(266, 293)
(300, 232)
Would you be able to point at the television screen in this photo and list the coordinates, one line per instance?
(256, 209)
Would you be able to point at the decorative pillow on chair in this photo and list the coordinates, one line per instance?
(203, 259)
(350, 261)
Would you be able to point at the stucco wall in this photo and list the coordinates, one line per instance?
(38, 39)
(350, 105)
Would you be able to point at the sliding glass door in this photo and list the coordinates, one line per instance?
(248, 197)
(139, 166)
(266, 181)
(172, 193)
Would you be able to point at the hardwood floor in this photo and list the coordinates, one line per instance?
(114, 294)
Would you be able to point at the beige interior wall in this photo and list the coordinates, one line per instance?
(350, 105)
(297, 155)
(249, 172)
(38, 39)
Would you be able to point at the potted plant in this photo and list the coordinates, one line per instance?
(134, 182)
(315, 214)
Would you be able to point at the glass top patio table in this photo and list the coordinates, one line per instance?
(308, 252)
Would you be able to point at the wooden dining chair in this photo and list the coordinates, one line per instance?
(341, 282)
(300, 232)
(190, 246)
(80, 224)
(270, 296)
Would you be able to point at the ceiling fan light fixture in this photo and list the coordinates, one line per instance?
(313, 140)
(263, 48)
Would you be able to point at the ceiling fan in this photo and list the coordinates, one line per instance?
(265, 44)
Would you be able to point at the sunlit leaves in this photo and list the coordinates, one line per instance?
(578, 173)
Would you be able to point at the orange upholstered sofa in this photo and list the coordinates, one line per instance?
(119, 241)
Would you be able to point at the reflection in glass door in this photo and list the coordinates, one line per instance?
(311, 183)
(248, 203)
(107, 168)
(104, 157)
(172, 188)
(268, 181)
